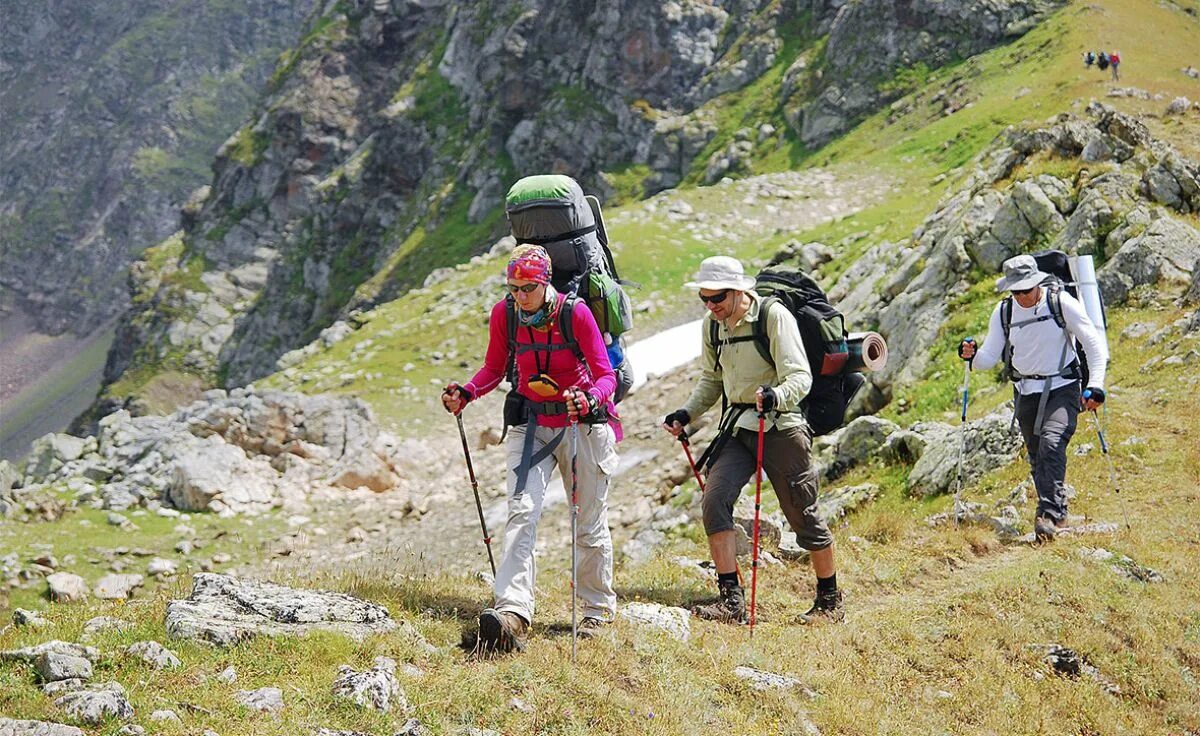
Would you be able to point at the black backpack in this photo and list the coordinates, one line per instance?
(823, 332)
(1057, 265)
(1102, 60)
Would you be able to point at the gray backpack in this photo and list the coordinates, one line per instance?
(552, 211)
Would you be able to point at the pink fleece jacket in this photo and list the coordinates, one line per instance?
(595, 375)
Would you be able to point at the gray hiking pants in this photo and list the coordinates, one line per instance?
(1048, 453)
(595, 464)
(787, 461)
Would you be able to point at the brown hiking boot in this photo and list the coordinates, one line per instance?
(1044, 529)
(730, 609)
(590, 626)
(827, 608)
(501, 631)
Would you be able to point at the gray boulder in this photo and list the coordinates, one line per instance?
(66, 587)
(217, 476)
(97, 704)
(376, 688)
(363, 468)
(266, 699)
(50, 452)
(14, 727)
(989, 445)
(835, 503)
(52, 667)
(857, 443)
(101, 624)
(30, 654)
(224, 610)
(154, 654)
(1165, 253)
(673, 620)
(117, 587)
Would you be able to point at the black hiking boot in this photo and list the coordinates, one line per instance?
(730, 609)
(501, 631)
(827, 608)
(1044, 529)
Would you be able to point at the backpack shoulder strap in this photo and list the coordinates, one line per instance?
(1054, 301)
(762, 340)
(566, 326)
(510, 319)
(714, 339)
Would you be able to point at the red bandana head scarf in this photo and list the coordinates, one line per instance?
(530, 263)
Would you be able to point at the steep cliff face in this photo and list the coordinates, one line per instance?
(111, 112)
(391, 132)
(871, 41)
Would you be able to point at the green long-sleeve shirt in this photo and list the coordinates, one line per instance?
(743, 370)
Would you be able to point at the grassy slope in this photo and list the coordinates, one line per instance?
(930, 609)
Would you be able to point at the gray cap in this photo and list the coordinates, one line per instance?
(721, 272)
(1020, 273)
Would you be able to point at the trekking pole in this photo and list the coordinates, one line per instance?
(687, 449)
(1112, 469)
(962, 448)
(574, 546)
(487, 539)
(757, 513)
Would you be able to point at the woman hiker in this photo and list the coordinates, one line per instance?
(562, 376)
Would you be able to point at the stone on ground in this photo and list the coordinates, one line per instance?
(154, 654)
(375, 688)
(29, 654)
(117, 587)
(671, 619)
(267, 699)
(14, 727)
(96, 704)
(52, 667)
(66, 587)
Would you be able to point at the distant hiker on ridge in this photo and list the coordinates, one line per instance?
(563, 376)
(1115, 59)
(1089, 58)
(755, 388)
(1040, 357)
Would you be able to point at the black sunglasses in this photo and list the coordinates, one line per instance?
(715, 298)
(526, 289)
(1023, 292)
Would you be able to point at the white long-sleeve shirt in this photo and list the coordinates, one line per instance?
(1038, 346)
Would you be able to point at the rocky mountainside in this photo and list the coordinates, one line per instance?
(1100, 185)
(112, 111)
(390, 134)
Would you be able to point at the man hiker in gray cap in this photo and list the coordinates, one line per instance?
(1040, 358)
(736, 371)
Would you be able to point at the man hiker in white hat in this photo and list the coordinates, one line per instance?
(1041, 360)
(752, 386)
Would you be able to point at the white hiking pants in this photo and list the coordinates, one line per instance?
(595, 464)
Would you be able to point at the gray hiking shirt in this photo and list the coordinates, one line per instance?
(743, 370)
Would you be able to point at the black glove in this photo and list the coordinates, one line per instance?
(969, 341)
(1095, 394)
(679, 416)
(463, 392)
(770, 400)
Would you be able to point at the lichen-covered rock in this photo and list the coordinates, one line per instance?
(989, 445)
(97, 704)
(154, 654)
(267, 699)
(1166, 252)
(676, 622)
(224, 610)
(31, 653)
(53, 666)
(375, 688)
(14, 727)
